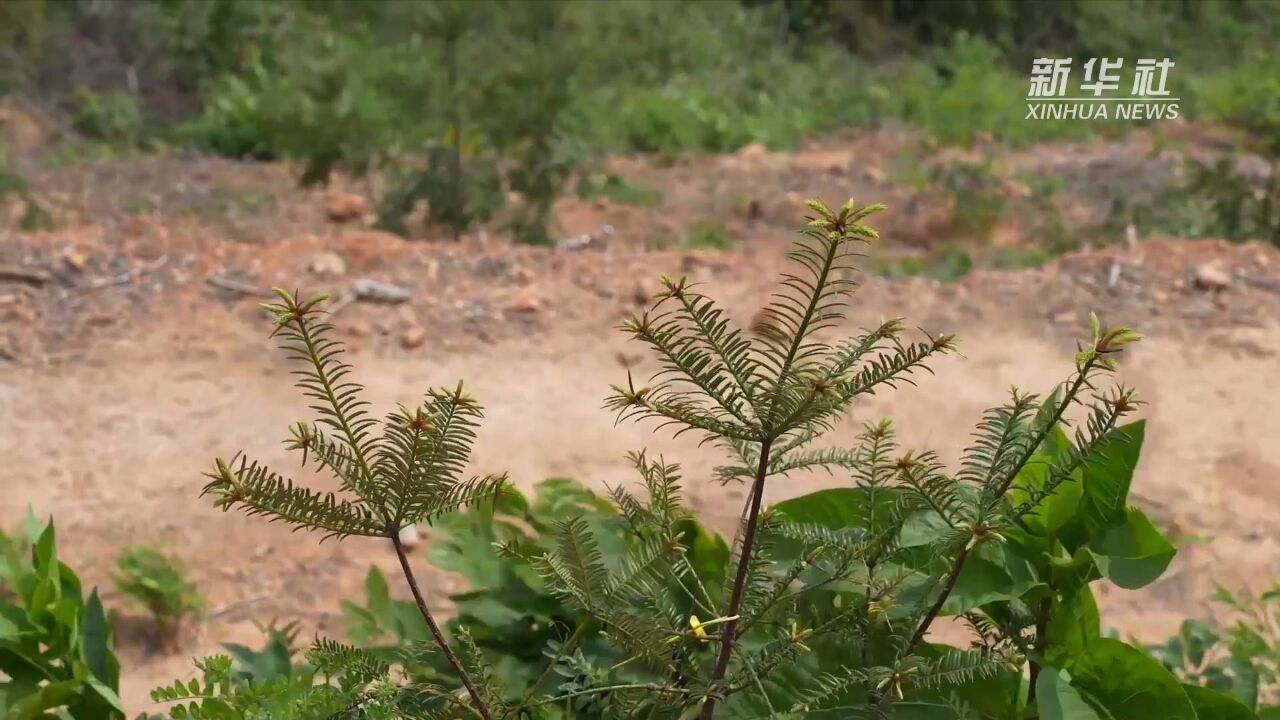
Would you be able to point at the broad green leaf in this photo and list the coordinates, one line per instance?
(1074, 625)
(47, 697)
(1127, 683)
(1055, 511)
(103, 696)
(991, 574)
(560, 498)
(840, 507)
(1056, 699)
(1213, 705)
(45, 552)
(1107, 477)
(1130, 553)
(95, 646)
(377, 594)
(1237, 677)
(923, 529)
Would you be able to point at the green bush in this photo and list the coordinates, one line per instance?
(111, 116)
(510, 612)
(56, 646)
(1246, 94)
(617, 189)
(821, 605)
(157, 584)
(1240, 659)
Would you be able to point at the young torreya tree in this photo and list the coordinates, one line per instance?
(823, 602)
(407, 470)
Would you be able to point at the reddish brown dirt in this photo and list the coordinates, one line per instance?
(127, 375)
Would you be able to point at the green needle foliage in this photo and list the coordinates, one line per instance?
(822, 606)
(407, 469)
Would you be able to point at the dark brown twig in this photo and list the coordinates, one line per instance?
(449, 655)
(728, 635)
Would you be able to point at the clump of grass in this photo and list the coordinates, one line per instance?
(707, 235)
(158, 584)
(617, 188)
(946, 264)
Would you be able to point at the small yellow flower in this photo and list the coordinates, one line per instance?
(696, 624)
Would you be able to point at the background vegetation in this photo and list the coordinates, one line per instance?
(461, 106)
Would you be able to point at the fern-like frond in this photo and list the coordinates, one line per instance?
(355, 665)
(957, 667)
(849, 353)
(682, 409)
(640, 636)
(306, 338)
(321, 451)
(1103, 418)
(730, 345)
(644, 570)
(810, 300)
(830, 688)
(576, 570)
(662, 481)
(427, 507)
(1002, 439)
(477, 667)
(258, 491)
(787, 647)
(815, 535)
(923, 475)
(425, 451)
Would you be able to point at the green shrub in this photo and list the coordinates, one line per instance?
(1207, 200)
(617, 189)
(157, 584)
(707, 235)
(56, 646)
(111, 116)
(823, 604)
(1240, 659)
(963, 90)
(1246, 94)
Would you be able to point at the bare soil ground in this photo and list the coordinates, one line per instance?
(126, 371)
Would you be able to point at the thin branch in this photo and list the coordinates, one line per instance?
(1082, 377)
(610, 688)
(728, 635)
(948, 585)
(449, 655)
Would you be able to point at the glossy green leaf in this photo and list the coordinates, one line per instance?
(1213, 705)
(1127, 683)
(47, 697)
(95, 646)
(1075, 624)
(1057, 510)
(46, 552)
(992, 574)
(1107, 477)
(1057, 699)
(838, 507)
(1130, 553)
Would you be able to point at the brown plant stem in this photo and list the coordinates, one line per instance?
(948, 585)
(1082, 377)
(449, 655)
(729, 633)
(1042, 627)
